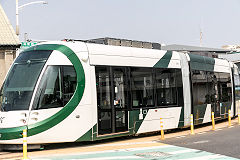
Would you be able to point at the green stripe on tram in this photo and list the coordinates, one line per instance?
(33, 129)
(203, 63)
(164, 61)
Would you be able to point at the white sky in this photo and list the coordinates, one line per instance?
(164, 21)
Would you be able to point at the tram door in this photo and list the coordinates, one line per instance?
(112, 99)
(213, 90)
(216, 103)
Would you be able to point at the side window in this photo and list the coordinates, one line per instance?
(168, 86)
(200, 91)
(103, 87)
(120, 85)
(237, 86)
(51, 90)
(211, 87)
(56, 88)
(225, 87)
(142, 87)
(69, 83)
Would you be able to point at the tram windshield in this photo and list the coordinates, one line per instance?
(18, 87)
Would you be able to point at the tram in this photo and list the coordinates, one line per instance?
(76, 91)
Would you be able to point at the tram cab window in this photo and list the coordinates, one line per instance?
(57, 87)
(17, 90)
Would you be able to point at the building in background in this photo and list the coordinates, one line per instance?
(9, 43)
(203, 51)
(234, 56)
(232, 47)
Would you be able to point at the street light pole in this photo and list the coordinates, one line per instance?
(17, 12)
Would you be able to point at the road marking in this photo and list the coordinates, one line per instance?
(153, 152)
(206, 157)
(201, 132)
(117, 157)
(231, 127)
(183, 151)
(180, 136)
(123, 144)
(121, 150)
(147, 148)
(199, 142)
(218, 129)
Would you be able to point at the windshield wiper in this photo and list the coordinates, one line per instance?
(31, 61)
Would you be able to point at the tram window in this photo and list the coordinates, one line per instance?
(168, 86)
(211, 88)
(237, 87)
(51, 95)
(142, 87)
(120, 84)
(18, 87)
(225, 87)
(56, 88)
(69, 82)
(200, 91)
(103, 87)
(179, 86)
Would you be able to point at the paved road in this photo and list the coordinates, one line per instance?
(225, 141)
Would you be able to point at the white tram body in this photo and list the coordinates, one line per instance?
(76, 91)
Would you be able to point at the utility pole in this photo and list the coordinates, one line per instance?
(201, 35)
